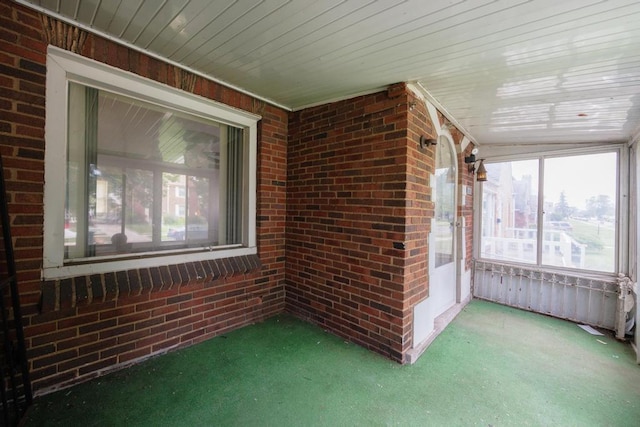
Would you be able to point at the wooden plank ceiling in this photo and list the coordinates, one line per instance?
(507, 71)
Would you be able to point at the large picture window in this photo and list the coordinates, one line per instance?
(546, 211)
(148, 172)
(146, 178)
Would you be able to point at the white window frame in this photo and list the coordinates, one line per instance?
(622, 208)
(64, 67)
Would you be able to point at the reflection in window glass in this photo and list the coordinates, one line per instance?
(138, 205)
(144, 178)
(509, 212)
(579, 212)
(445, 185)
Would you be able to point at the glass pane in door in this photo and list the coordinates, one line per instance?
(445, 187)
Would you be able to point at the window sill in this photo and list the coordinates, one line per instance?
(99, 265)
(80, 290)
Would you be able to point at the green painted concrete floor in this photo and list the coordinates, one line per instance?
(493, 366)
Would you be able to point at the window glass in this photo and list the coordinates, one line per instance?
(579, 212)
(146, 178)
(510, 211)
(445, 185)
(578, 227)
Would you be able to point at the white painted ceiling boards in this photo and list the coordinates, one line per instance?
(508, 71)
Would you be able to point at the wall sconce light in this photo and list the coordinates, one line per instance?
(425, 142)
(481, 172)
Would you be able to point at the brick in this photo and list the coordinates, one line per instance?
(255, 261)
(214, 269)
(80, 285)
(179, 298)
(167, 277)
(66, 294)
(242, 266)
(77, 341)
(199, 269)
(150, 305)
(116, 350)
(114, 332)
(97, 287)
(135, 287)
(133, 318)
(192, 274)
(78, 320)
(35, 352)
(149, 323)
(177, 315)
(221, 268)
(48, 299)
(38, 329)
(192, 335)
(122, 280)
(53, 337)
(98, 326)
(110, 286)
(54, 358)
(179, 273)
(97, 346)
(78, 362)
(156, 278)
(132, 355)
(45, 378)
(232, 264)
(166, 344)
(117, 312)
(145, 280)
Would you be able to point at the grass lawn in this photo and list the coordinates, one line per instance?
(597, 258)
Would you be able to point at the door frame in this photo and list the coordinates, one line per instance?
(427, 311)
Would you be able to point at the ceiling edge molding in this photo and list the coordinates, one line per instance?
(433, 115)
(444, 111)
(147, 52)
(464, 143)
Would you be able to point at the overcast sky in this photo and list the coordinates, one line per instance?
(580, 177)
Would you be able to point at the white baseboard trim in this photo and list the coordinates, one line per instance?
(440, 323)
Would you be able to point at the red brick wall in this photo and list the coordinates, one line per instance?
(357, 210)
(354, 197)
(140, 312)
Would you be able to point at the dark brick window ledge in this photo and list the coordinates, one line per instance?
(61, 294)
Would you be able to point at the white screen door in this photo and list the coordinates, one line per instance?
(442, 243)
(442, 274)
